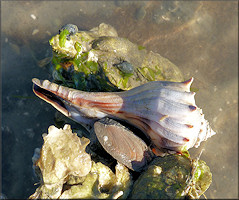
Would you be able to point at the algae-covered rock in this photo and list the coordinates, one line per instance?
(67, 171)
(99, 60)
(173, 176)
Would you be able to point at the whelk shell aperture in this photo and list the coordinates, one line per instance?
(166, 111)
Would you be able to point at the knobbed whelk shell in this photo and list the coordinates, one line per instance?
(166, 111)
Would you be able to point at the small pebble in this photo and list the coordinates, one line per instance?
(215, 88)
(26, 113)
(165, 18)
(33, 16)
(35, 31)
(214, 119)
(48, 33)
(220, 109)
(140, 13)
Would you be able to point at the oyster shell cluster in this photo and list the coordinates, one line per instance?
(63, 176)
(99, 60)
(67, 171)
(156, 100)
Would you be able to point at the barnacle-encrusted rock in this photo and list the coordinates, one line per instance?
(67, 171)
(172, 176)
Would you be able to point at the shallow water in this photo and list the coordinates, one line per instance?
(199, 37)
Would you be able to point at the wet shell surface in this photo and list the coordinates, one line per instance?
(56, 154)
(122, 144)
(165, 111)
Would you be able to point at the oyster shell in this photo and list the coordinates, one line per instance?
(172, 177)
(127, 65)
(65, 43)
(101, 183)
(165, 111)
(62, 156)
(67, 171)
(57, 160)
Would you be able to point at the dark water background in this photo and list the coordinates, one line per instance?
(201, 38)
